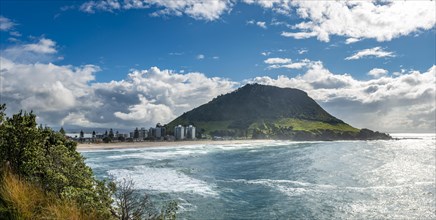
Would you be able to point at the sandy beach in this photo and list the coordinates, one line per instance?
(145, 144)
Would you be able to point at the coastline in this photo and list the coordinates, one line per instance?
(147, 144)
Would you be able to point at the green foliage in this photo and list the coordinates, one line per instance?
(254, 102)
(50, 161)
(111, 134)
(260, 111)
(62, 131)
(306, 125)
(44, 177)
(236, 112)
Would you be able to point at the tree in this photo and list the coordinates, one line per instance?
(111, 134)
(106, 140)
(136, 133)
(47, 159)
(62, 131)
(93, 134)
(81, 134)
(121, 138)
(131, 205)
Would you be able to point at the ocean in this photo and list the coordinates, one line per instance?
(392, 179)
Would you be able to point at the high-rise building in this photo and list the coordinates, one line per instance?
(190, 132)
(179, 132)
(158, 132)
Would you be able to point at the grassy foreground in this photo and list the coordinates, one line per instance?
(24, 200)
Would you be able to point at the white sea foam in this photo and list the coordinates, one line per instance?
(157, 155)
(185, 206)
(297, 188)
(191, 150)
(94, 165)
(163, 180)
(288, 187)
(106, 150)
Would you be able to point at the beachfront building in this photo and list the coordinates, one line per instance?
(143, 134)
(190, 132)
(151, 133)
(179, 132)
(160, 131)
(139, 134)
(157, 133)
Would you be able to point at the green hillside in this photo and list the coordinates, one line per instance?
(260, 111)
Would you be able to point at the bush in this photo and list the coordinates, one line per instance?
(50, 162)
(23, 200)
(44, 177)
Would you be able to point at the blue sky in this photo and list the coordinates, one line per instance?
(362, 45)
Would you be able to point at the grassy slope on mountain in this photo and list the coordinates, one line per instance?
(263, 110)
(305, 125)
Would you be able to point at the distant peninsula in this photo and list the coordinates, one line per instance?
(257, 111)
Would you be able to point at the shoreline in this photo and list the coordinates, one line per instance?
(150, 144)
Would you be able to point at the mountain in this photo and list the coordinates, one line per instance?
(261, 111)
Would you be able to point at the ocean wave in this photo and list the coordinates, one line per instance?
(190, 150)
(297, 188)
(95, 165)
(185, 206)
(163, 180)
(159, 155)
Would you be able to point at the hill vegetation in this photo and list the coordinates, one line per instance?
(260, 111)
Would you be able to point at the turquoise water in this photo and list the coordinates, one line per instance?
(283, 179)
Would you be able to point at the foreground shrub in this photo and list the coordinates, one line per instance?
(44, 177)
(21, 199)
(50, 163)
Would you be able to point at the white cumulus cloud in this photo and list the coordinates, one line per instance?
(146, 110)
(46, 88)
(355, 20)
(43, 49)
(380, 20)
(43, 46)
(302, 51)
(261, 24)
(6, 24)
(372, 52)
(197, 9)
(154, 95)
(299, 35)
(377, 72)
(275, 63)
(277, 60)
(105, 5)
(351, 40)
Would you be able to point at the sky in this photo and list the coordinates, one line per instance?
(133, 63)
